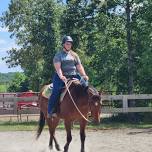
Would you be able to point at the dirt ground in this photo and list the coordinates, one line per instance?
(123, 140)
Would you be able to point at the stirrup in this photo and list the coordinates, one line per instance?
(53, 115)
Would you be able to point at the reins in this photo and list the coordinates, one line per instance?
(74, 103)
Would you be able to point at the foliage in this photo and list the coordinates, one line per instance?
(114, 43)
(36, 27)
(6, 77)
(19, 83)
(3, 87)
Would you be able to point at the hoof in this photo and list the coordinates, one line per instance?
(82, 150)
(58, 148)
(65, 149)
(50, 147)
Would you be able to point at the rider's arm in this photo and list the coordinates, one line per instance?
(81, 70)
(57, 65)
(80, 67)
(59, 71)
(58, 68)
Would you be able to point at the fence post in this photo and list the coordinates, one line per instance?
(3, 101)
(15, 105)
(125, 104)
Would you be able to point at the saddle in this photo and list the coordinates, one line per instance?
(48, 90)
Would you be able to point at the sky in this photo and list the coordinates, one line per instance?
(6, 43)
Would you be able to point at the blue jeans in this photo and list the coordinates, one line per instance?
(58, 84)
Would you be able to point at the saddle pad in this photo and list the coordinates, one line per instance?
(47, 90)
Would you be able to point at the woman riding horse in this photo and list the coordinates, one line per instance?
(76, 105)
(66, 63)
(78, 101)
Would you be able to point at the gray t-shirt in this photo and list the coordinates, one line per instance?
(68, 61)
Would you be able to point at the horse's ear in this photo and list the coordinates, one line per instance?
(100, 93)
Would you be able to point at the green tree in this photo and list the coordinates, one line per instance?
(144, 47)
(124, 46)
(19, 83)
(112, 37)
(78, 20)
(36, 27)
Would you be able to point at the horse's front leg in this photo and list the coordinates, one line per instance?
(56, 145)
(82, 134)
(69, 136)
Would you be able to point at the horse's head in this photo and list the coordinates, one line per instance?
(95, 104)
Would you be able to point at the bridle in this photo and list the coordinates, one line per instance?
(89, 100)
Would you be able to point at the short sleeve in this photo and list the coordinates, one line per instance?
(57, 58)
(77, 59)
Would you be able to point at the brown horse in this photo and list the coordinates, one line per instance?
(86, 101)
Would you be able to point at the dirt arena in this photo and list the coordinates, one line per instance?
(123, 140)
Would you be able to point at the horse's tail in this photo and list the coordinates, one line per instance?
(41, 124)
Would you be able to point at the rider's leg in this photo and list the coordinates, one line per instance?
(57, 85)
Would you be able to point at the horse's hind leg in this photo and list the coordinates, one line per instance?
(82, 134)
(51, 141)
(69, 136)
(52, 123)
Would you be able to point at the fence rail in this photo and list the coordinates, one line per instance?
(124, 99)
(11, 99)
(14, 103)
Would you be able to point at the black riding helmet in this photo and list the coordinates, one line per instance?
(67, 39)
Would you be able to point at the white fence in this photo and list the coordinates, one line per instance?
(124, 99)
(8, 101)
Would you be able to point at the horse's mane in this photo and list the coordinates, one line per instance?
(94, 93)
(93, 90)
(78, 89)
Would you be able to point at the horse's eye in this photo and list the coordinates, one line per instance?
(96, 103)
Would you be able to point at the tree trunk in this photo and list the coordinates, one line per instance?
(131, 103)
(130, 50)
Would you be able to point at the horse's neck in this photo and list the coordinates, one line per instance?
(78, 92)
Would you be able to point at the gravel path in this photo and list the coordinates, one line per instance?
(123, 140)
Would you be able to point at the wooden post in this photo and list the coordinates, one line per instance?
(125, 104)
(15, 105)
(27, 117)
(10, 119)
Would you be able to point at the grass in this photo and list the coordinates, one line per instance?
(18, 126)
(122, 126)
(32, 126)
(122, 121)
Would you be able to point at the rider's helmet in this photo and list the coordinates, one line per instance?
(67, 39)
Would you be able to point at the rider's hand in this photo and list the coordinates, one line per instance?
(63, 78)
(85, 77)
